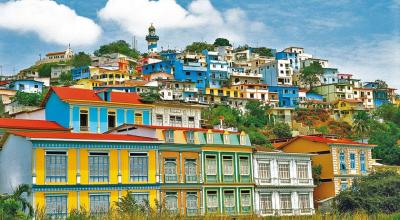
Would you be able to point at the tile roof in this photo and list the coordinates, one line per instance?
(84, 136)
(327, 141)
(30, 124)
(71, 94)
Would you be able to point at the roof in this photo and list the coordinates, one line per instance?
(55, 53)
(75, 94)
(169, 127)
(327, 141)
(84, 136)
(4, 82)
(30, 124)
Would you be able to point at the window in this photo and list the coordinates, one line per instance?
(171, 201)
(111, 119)
(140, 198)
(138, 167)
(343, 184)
(342, 162)
(191, 122)
(266, 204)
(212, 201)
(352, 161)
(169, 136)
(98, 167)
(283, 172)
(362, 162)
(227, 163)
(36, 86)
(245, 200)
(190, 137)
(304, 203)
(159, 120)
(211, 165)
(190, 170)
(286, 203)
(302, 172)
(229, 201)
(226, 138)
(175, 121)
(56, 206)
(264, 170)
(244, 166)
(170, 170)
(138, 118)
(83, 120)
(56, 166)
(99, 203)
(210, 138)
(191, 203)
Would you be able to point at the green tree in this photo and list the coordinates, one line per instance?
(120, 46)
(385, 136)
(198, 47)
(377, 193)
(28, 99)
(221, 42)
(257, 138)
(310, 75)
(389, 113)
(282, 130)
(256, 114)
(263, 51)
(45, 69)
(316, 173)
(213, 115)
(14, 206)
(81, 59)
(66, 78)
(361, 124)
(150, 97)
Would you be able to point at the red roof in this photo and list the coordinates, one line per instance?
(67, 93)
(30, 124)
(328, 141)
(83, 136)
(4, 82)
(181, 128)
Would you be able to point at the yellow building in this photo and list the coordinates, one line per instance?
(341, 161)
(88, 84)
(345, 109)
(71, 170)
(109, 76)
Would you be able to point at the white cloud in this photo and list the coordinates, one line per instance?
(368, 60)
(52, 22)
(199, 20)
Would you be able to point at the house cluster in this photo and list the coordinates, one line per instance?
(89, 148)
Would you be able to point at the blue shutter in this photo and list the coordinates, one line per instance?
(120, 117)
(93, 115)
(130, 117)
(75, 119)
(146, 117)
(103, 120)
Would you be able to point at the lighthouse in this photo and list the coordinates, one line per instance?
(152, 39)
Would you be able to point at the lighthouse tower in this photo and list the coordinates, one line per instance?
(152, 39)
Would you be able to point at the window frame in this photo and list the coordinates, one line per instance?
(132, 176)
(55, 153)
(92, 177)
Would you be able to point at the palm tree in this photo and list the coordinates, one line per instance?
(361, 124)
(18, 200)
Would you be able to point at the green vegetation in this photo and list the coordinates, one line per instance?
(198, 47)
(316, 173)
(361, 124)
(221, 42)
(214, 113)
(28, 99)
(15, 205)
(263, 51)
(310, 75)
(120, 46)
(282, 130)
(81, 59)
(376, 193)
(45, 69)
(66, 79)
(256, 114)
(150, 97)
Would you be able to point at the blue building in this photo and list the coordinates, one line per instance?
(26, 85)
(314, 96)
(191, 72)
(288, 95)
(85, 110)
(217, 70)
(292, 57)
(164, 66)
(82, 72)
(382, 94)
(152, 40)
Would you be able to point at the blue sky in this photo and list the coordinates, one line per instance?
(357, 36)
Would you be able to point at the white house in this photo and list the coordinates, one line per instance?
(284, 184)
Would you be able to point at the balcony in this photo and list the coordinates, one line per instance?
(192, 211)
(279, 212)
(229, 178)
(277, 181)
(229, 210)
(191, 90)
(191, 179)
(171, 178)
(212, 209)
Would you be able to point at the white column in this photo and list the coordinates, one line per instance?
(255, 168)
(219, 167)
(220, 199)
(236, 164)
(34, 166)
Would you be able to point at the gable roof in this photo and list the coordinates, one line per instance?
(30, 124)
(84, 136)
(326, 141)
(76, 94)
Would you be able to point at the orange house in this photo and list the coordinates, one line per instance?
(341, 160)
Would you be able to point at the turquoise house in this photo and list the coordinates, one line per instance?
(93, 111)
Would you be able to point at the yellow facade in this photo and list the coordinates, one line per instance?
(109, 77)
(88, 84)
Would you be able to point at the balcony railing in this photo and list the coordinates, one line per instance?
(278, 212)
(192, 211)
(277, 181)
(229, 210)
(191, 179)
(229, 178)
(171, 178)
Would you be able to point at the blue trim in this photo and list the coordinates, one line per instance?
(88, 145)
(47, 188)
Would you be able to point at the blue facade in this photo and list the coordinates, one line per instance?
(314, 96)
(269, 75)
(69, 115)
(292, 57)
(191, 72)
(217, 71)
(288, 95)
(82, 72)
(26, 85)
(381, 95)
